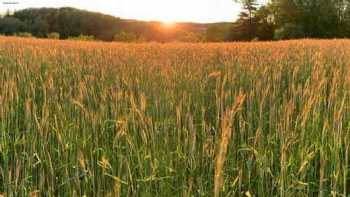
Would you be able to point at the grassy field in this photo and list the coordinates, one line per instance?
(241, 119)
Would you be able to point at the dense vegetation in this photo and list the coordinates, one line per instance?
(101, 119)
(288, 19)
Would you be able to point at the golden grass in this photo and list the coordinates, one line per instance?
(234, 119)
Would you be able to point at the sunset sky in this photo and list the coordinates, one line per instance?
(162, 10)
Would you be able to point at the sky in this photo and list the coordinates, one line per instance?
(203, 11)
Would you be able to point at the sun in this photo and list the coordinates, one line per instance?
(168, 23)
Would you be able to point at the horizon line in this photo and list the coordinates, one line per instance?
(2, 13)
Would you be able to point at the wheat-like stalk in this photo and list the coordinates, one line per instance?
(226, 133)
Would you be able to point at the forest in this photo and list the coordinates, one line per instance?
(277, 20)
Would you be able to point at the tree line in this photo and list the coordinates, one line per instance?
(292, 19)
(279, 19)
(71, 23)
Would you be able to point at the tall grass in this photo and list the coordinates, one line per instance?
(243, 119)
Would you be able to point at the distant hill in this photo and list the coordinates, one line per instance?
(71, 22)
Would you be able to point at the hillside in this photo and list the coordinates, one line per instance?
(71, 22)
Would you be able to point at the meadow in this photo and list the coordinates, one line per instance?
(236, 119)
